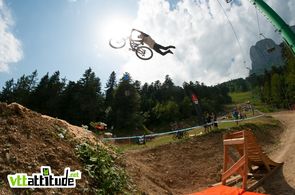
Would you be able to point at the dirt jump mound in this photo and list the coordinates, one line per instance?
(29, 140)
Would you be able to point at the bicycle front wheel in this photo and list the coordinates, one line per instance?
(117, 43)
(144, 52)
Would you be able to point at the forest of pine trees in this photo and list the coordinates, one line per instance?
(276, 87)
(124, 104)
(127, 105)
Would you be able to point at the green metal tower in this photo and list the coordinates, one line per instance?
(285, 30)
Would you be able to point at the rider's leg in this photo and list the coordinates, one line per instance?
(170, 47)
(164, 53)
(164, 48)
(157, 48)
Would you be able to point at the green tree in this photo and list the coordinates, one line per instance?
(110, 87)
(277, 90)
(126, 107)
(23, 88)
(186, 108)
(7, 92)
(168, 111)
(47, 95)
(70, 101)
(109, 97)
(82, 101)
(40, 95)
(290, 76)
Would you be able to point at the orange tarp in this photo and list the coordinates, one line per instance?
(224, 190)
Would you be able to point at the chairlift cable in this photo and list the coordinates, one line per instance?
(258, 23)
(234, 31)
(260, 34)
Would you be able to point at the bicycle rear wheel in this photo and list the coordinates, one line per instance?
(144, 52)
(117, 43)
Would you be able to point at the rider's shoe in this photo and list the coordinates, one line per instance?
(169, 51)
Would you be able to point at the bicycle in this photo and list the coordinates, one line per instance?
(143, 52)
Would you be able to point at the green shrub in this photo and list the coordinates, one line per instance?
(108, 177)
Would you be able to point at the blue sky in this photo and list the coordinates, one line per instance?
(72, 35)
(62, 35)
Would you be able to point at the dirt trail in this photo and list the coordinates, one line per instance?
(283, 182)
(287, 147)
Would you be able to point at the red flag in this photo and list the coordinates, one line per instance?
(195, 99)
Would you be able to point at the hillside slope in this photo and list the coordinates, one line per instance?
(29, 140)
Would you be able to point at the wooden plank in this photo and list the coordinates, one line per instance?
(234, 141)
(254, 153)
(245, 168)
(230, 181)
(251, 145)
(235, 134)
(257, 158)
(225, 161)
(259, 155)
(233, 169)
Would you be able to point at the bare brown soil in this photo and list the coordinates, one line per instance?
(283, 181)
(192, 165)
(177, 168)
(29, 140)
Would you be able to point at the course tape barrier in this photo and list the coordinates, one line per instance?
(181, 130)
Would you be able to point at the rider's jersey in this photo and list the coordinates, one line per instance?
(149, 41)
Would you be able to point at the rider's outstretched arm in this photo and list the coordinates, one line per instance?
(140, 36)
(136, 30)
(144, 34)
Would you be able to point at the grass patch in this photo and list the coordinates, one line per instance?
(240, 97)
(243, 97)
(261, 126)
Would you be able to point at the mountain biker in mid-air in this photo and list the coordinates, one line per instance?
(152, 44)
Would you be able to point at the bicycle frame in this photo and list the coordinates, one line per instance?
(134, 44)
